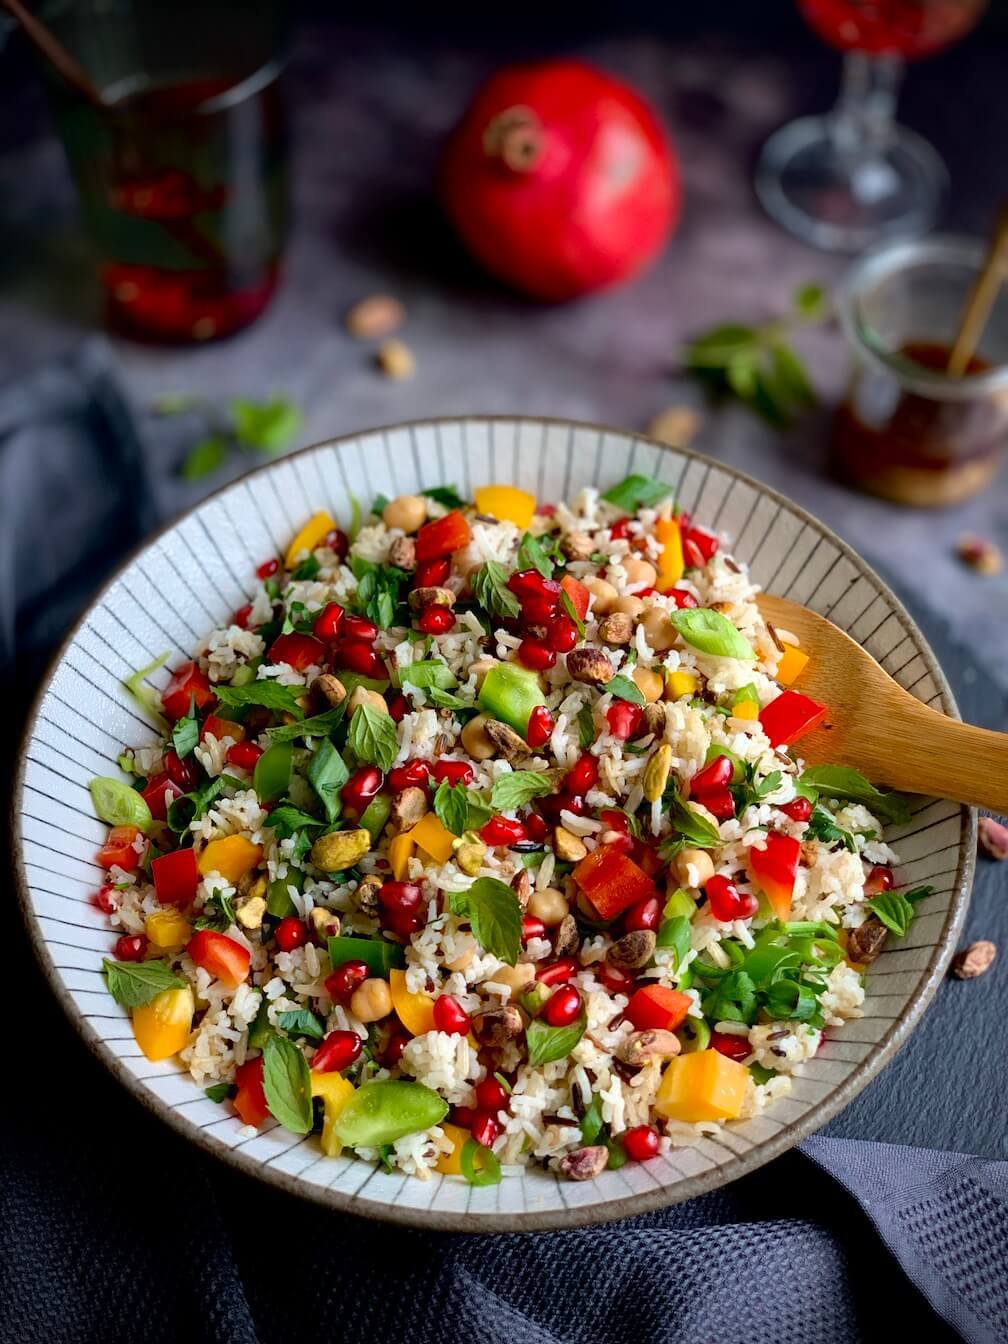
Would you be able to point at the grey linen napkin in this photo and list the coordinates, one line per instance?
(112, 1228)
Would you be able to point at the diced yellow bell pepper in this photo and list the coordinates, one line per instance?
(682, 683)
(705, 1085)
(310, 536)
(670, 563)
(746, 709)
(506, 503)
(450, 1164)
(433, 837)
(162, 1026)
(232, 857)
(791, 665)
(335, 1092)
(400, 851)
(414, 1011)
(167, 928)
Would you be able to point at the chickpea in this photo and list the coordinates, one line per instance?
(658, 629)
(549, 905)
(604, 593)
(516, 978)
(407, 511)
(649, 683)
(640, 571)
(476, 741)
(362, 696)
(371, 1001)
(464, 959)
(631, 606)
(698, 859)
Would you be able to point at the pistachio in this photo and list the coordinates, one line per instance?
(642, 1046)
(469, 854)
(591, 666)
(366, 895)
(325, 923)
(402, 553)
(510, 745)
(584, 1164)
(633, 950)
(396, 360)
(616, 628)
(657, 771)
(362, 696)
(569, 848)
(497, 1026)
(251, 884)
(982, 555)
(422, 598)
(331, 688)
(521, 885)
(567, 940)
(517, 978)
(993, 838)
(577, 546)
(374, 317)
(408, 807)
(866, 941)
(250, 916)
(974, 960)
(340, 849)
(675, 425)
(654, 719)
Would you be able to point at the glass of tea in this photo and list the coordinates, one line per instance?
(848, 179)
(907, 429)
(182, 176)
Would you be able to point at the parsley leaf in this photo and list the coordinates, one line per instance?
(517, 788)
(637, 492)
(493, 911)
(451, 806)
(823, 827)
(134, 983)
(372, 737)
(445, 495)
(489, 585)
(378, 590)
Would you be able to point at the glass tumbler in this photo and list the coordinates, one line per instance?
(182, 179)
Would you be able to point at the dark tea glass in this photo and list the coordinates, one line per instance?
(182, 180)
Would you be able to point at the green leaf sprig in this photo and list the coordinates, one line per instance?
(246, 426)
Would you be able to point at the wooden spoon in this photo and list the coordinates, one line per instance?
(882, 730)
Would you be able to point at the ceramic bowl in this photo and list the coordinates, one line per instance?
(191, 576)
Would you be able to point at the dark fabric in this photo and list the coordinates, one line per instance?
(112, 1228)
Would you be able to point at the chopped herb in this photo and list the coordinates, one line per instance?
(568, 605)
(218, 1092)
(378, 590)
(489, 585)
(691, 827)
(307, 569)
(320, 725)
(186, 733)
(217, 913)
(379, 504)
(286, 820)
(823, 827)
(637, 492)
(445, 495)
(533, 555)
(372, 737)
(840, 781)
(146, 697)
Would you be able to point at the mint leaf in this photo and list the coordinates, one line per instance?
(319, 725)
(134, 983)
(637, 492)
(493, 911)
(445, 495)
(265, 426)
(379, 589)
(546, 1043)
(218, 1091)
(186, 733)
(301, 1022)
(372, 737)
(896, 908)
(204, 458)
(327, 773)
(519, 787)
(586, 727)
(269, 694)
(840, 781)
(623, 688)
(531, 555)
(429, 672)
(690, 826)
(451, 806)
(489, 586)
(287, 1084)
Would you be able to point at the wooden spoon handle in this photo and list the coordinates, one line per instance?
(930, 753)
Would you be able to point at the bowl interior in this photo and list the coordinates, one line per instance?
(196, 572)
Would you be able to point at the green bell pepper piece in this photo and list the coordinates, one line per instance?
(510, 693)
(272, 775)
(378, 954)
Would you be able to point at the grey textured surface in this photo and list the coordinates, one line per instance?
(368, 122)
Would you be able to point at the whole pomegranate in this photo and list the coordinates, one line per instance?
(560, 179)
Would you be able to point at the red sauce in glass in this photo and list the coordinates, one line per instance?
(907, 28)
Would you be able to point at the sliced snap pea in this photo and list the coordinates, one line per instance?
(694, 1034)
(119, 804)
(386, 1110)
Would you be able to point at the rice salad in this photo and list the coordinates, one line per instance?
(479, 838)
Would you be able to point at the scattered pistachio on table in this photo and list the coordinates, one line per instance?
(993, 838)
(396, 360)
(974, 960)
(375, 317)
(982, 555)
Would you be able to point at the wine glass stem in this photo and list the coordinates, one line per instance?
(862, 119)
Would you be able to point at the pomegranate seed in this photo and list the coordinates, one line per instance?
(450, 1016)
(291, 933)
(562, 1007)
(705, 542)
(715, 776)
(329, 621)
(432, 573)
(186, 774)
(682, 598)
(360, 788)
(400, 898)
(241, 616)
(359, 657)
(726, 901)
(562, 635)
(640, 1143)
(526, 583)
(455, 772)
(558, 971)
(879, 879)
(624, 719)
(347, 977)
(338, 542)
(413, 775)
(356, 627)
(692, 554)
(798, 809)
(582, 776)
(554, 804)
(623, 843)
(539, 611)
(130, 947)
(719, 803)
(647, 592)
(734, 1047)
(531, 928)
(337, 1052)
(398, 707)
(107, 899)
(645, 914)
(463, 1116)
(615, 820)
(535, 656)
(484, 1128)
(405, 923)
(244, 755)
(546, 510)
(540, 727)
(536, 827)
(268, 568)
(491, 1096)
(616, 980)
(436, 620)
(620, 530)
(502, 831)
(394, 1047)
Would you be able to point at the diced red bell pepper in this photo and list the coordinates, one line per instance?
(656, 1008)
(160, 793)
(214, 726)
(250, 1099)
(578, 594)
(299, 651)
(774, 870)
(442, 536)
(612, 881)
(189, 684)
(119, 849)
(790, 717)
(220, 956)
(176, 877)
